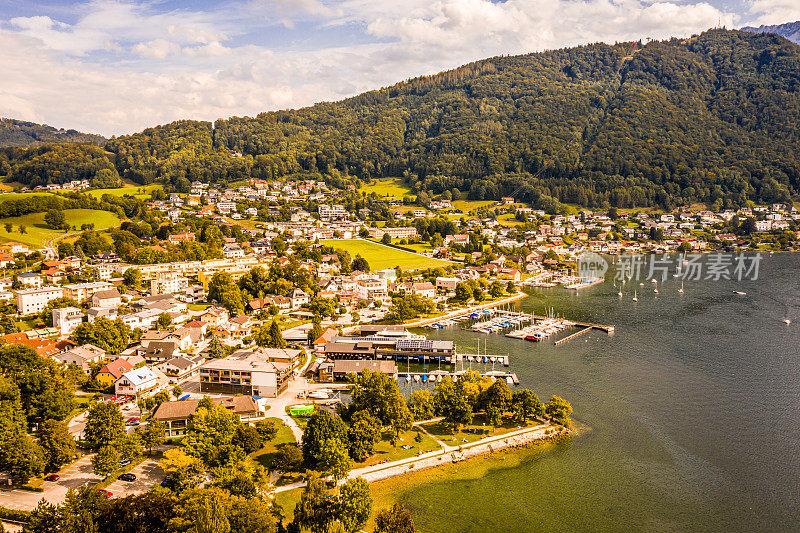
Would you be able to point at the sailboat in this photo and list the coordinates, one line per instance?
(681, 289)
(620, 289)
(787, 321)
(635, 299)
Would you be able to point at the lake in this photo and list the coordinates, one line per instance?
(692, 410)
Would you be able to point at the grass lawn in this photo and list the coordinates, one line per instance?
(197, 307)
(468, 205)
(392, 188)
(288, 500)
(420, 247)
(464, 435)
(37, 232)
(17, 195)
(246, 223)
(385, 453)
(508, 220)
(142, 192)
(264, 455)
(380, 257)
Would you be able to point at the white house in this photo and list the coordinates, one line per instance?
(67, 319)
(136, 382)
(107, 298)
(30, 301)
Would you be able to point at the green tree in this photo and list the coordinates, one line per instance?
(247, 438)
(133, 278)
(110, 335)
(316, 508)
(386, 239)
(270, 336)
(216, 349)
(288, 458)
(222, 289)
(268, 429)
(496, 401)
(22, 458)
(363, 434)
(451, 403)
(104, 424)
(558, 410)
(153, 434)
(105, 460)
(314, 333)
(58, 444)
(355, 504)
(333, 459)
(164, 321)
(360, 264)
(379, 394)
(420, 403)
(525, 405)
(54, 219)
(210, 429)
(322, 425)
(395, 519)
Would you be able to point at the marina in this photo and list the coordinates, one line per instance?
(436, 376)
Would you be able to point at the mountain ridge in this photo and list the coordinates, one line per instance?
(713, 118)
(788, 30)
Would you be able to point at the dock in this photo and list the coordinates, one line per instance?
(436, 376)
(569, 337)
(601, 327)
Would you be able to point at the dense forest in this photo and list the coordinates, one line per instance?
(713, 119)
(20, 133)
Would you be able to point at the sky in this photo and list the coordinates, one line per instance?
(118, 66)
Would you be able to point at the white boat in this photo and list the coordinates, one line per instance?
(654, 280)
(681, 289)
(787, 321)
(416, 377)
(408, 378)
(740, 293)
(655, 290)
(635, 299)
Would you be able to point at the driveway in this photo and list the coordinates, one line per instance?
(148, 473)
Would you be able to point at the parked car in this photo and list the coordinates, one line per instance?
(106, 493)
(127, 477)
(132, 423)
(52, 477)
(124, 462)
(167, 482)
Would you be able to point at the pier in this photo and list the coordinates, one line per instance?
(436, 376)
(569, 337)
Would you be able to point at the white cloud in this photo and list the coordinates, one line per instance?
(123, 66)
(776, 11)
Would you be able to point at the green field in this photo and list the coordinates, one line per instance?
(380, 257)
(392, 188)
(142, 192)
(18, 195)
(38, 232)
(465, 206)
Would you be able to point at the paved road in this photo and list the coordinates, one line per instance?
(74, 476)
(148, 473)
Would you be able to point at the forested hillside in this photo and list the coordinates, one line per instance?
(713, 119)
(21, 133)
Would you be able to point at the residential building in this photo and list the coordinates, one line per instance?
(245, 372)
(31, 301)
(82, 356)
(137, 382)
(108, 299)
(175, 414)
(30, 279)
(111, 372)
(67, 319)
(84, 291)
(180, 368)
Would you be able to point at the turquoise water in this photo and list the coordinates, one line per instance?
(693, 406)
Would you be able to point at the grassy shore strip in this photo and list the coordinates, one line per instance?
(464, 311)
(453, 455)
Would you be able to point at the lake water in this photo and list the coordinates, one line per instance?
(692, 405)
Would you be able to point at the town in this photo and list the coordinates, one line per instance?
(265, 304)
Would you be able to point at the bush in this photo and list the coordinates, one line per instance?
(15, 515)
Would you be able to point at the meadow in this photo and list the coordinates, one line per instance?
(142, 192)
(380, 257)
(390, 188)
(37, 232)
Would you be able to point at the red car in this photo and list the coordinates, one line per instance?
(52, 477)
(106, 493)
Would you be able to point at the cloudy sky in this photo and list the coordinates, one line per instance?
(118, 66)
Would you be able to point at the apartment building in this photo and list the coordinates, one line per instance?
(83, 291)
(245, 372)
(30, 301)
(67, 319)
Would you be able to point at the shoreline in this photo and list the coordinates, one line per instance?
(425, 321)
(522, 438)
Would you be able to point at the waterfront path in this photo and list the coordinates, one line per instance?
(385, 470)
(466, 311)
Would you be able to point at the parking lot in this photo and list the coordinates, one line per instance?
(148, 473)
(76, 475)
